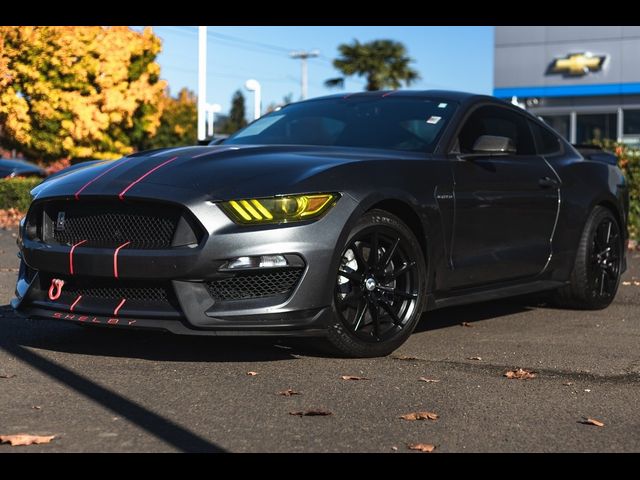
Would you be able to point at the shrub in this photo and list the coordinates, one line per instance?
(14, 193)
(629, 163)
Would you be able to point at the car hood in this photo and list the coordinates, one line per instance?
(215, 172)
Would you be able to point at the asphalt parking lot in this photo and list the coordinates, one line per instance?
(127, 391)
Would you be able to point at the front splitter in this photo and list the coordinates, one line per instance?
(313, 328)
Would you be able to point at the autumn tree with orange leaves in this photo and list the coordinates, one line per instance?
(78, 92)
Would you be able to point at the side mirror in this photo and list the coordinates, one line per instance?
(493, 144)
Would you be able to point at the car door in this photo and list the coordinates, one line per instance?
(505, 204)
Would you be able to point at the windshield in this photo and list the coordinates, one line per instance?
(396, 123)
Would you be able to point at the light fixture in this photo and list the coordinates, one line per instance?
(284, 209)
(263, 261)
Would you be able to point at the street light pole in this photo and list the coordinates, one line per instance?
(212, 109)
(303, 55)
(254, 86)
(202, 82)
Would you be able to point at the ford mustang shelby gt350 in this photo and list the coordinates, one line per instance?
(344, 217)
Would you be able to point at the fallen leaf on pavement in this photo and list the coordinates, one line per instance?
(421, 447)
(428, 380)
(475, 358)
(626, 283)
(312, 413)
(520, 374)
(352, 377)
(11, 375)
(419, 416)
(636, 283)
(395, 449)
(466, 324)
(288, 392)
(252, 374)
(25, 439)
(592, 421)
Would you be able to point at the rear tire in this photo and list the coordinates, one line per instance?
(596, 274)
(378, 297)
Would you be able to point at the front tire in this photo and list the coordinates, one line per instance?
(596, 273)
(380, 286)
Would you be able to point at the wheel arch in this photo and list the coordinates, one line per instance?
(422, 218)
(405, 212)
(614, 208)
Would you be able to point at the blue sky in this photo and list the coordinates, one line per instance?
(458, 58)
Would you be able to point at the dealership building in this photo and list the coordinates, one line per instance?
(583, 81)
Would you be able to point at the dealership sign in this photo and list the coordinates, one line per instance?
(577, 64)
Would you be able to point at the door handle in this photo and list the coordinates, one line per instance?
(548, 182)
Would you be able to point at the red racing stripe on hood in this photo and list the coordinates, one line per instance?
(139, 179)
(77, 194)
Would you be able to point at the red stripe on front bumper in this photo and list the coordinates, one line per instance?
(73, 305)
(71, 255)
(115, 259)
(115, 312)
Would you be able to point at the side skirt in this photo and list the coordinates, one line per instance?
(482, 295)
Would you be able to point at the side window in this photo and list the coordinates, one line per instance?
(546, 142)
(498, 121)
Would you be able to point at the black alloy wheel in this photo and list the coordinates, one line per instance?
(379, 287)
(604, 268)
(596, 273)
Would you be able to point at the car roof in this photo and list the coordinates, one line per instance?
(451, 95)
(17, 162)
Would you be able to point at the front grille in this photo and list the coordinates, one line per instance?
(108, 224)
(146, 294)
(248, 285)
(108, 292)
(112, 229)
(101, 296)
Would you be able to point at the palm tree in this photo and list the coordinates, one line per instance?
(384, 63)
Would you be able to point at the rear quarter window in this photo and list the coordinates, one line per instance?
(547, 143)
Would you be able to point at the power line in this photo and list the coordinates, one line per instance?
(249, 42)
(250, 45)
(233, 38)
(287, 78)
(232, 41)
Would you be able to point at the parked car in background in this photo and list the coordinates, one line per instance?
(13, 167)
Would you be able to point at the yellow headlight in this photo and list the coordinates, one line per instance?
(293, 208)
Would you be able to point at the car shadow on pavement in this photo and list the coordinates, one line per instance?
(148, 345)
(161, 346)
(451, 316)
(172, 433)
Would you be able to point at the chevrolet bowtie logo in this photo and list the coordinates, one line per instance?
(577, 64)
